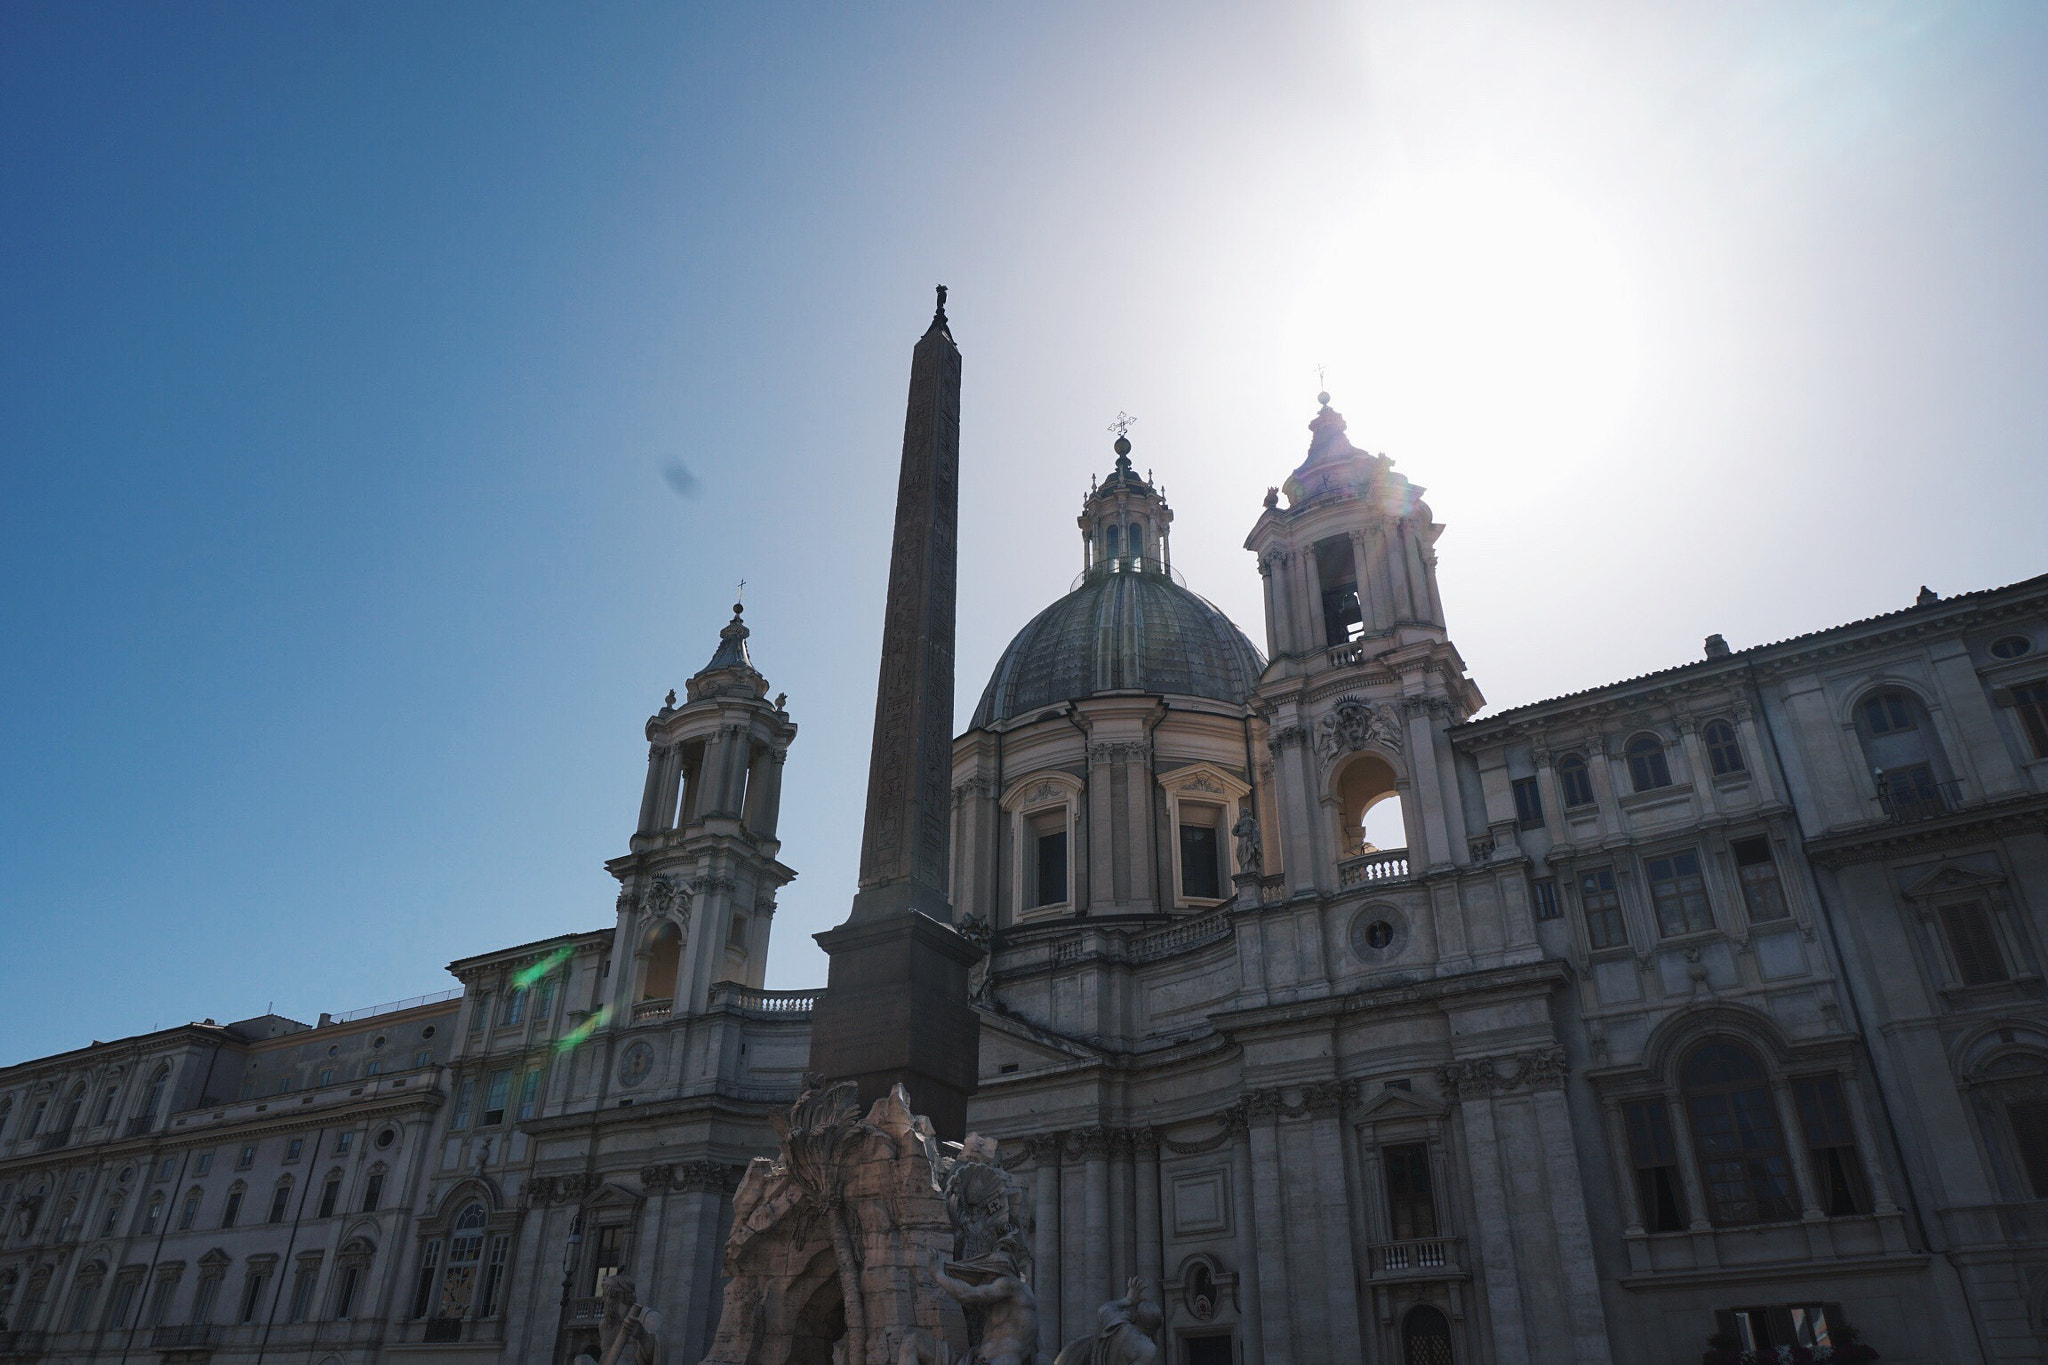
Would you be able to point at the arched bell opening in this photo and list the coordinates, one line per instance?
(1371, 813)
(664, 953)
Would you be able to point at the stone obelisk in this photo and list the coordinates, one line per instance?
(895, 1006)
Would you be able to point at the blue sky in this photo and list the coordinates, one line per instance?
(345, 345)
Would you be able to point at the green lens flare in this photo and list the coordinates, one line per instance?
(522, 979)
(585, 1029)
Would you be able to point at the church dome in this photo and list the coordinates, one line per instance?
(1122, 628)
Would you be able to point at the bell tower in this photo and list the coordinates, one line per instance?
(697, 890)
(1364, 680)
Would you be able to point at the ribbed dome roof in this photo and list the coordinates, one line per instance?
(1139, 631)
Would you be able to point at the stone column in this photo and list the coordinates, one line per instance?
(1251, 1307)
(1493, 1229)
(1045, 1193)
(1632, 1214)
(1600, 767)
(1269, 1214)
(1696, 764)
(1397, 570)
(1289, 746)
(1552, 798)
(1371, 610)
(1141, 792)
(1698, 1221)
(1312, 593)
(1145, 1142)
(1340, 1273)
(1806, 1186)
(650, 799)
(1118, 1230)
(1101, 819)
(1436, 597)
(1574, 1231)
(771, 800)
(1273, 624)
(1427, 785)
(1095, 1203)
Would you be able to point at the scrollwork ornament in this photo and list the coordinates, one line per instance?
(1354, 724)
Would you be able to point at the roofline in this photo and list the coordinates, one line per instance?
(485, 959)
(1735, 658)
(204, 1032)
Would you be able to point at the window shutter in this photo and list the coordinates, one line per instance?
(1975, 945)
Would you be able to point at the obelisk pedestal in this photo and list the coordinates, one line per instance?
(895, 1008)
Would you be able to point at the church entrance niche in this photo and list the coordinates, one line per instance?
(1425, 1337)
(1373, 819)
(664, 952)
(820, 1325)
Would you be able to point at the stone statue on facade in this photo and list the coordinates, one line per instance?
(1251, 847)
(628, 1333)
(1129, 1334)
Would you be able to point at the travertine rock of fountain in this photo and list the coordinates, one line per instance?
(837, 1244)
(1129, 1334)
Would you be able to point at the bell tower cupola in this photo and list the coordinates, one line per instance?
(1125, 522)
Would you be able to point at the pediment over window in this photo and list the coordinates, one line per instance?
(1949, 880)
(1391, 1105)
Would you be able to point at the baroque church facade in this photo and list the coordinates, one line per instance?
(1705, 1002)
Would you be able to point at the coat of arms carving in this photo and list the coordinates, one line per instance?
(1353, 724)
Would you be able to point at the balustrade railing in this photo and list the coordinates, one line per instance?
(139, 1125)
(653, 1009)
(1908, 798)
(1379, 865)
(765, 1002)
(1415, 1256)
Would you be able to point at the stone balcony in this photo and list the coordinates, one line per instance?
(1419, 1258)
(1372, 866)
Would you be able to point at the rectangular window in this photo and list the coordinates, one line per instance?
(1199, 866)
(1528, 803)
(107, 1104)
(2030, 1134)
(1545, 889)
(1052, 869)
(374, 1067)
(1411, 1208)
(302, 1293)
(1576, 781)
(423, 1291)
(2031, 702)
(1742, 1158)
(280, 1201)
(465, 1100)
(1679, 892)
(330, 1195)
(1974, 944)
(1654, 1155)
(423, 1058)
(246, 1159)
(494, 1096)
(204, 1164)
(164, 1171)
(343, 1143)
(81, 1305)
(1762, 894)
(479, 1012)
(1837, 1170)
(544, 1008)
(159, 1303)
(189, 1214)
(494, 1278)
(345, 1291)
(529, 1094)
(1603, 909)
(373, 1191)
(326, 1076)
(736, 934)
(610, 1257)
(1911, 793)
(1761, 1331)
(252, 1295)
(515, 1005)
(233, 1210)
(124, 1299)
(295, 1149)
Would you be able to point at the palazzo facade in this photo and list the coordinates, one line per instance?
(1706, 1002)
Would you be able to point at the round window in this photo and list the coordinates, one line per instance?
(2011, 647)
(1377, 932)
(427, 1032)
(386, 1137)
(333, 1048)
(378, 1041)
(636, 1065)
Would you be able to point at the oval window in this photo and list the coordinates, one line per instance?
(2011, 647)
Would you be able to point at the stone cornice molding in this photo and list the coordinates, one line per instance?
(1971, 825)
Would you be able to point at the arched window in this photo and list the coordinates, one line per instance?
(188, 1212)
(280, 1200)
(112, 1219)
(465, 1263)
(1647, 769)
(1574, 780)
(1900, 746)
(66, 1212)
(1425, 1337)
(1722, 751)
(153, 1215)
(373, 1190)
(233, 1211)
(664, 953)
(153, 1099)
(6, 1112)
(71, 1108)
(1743, 1166)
